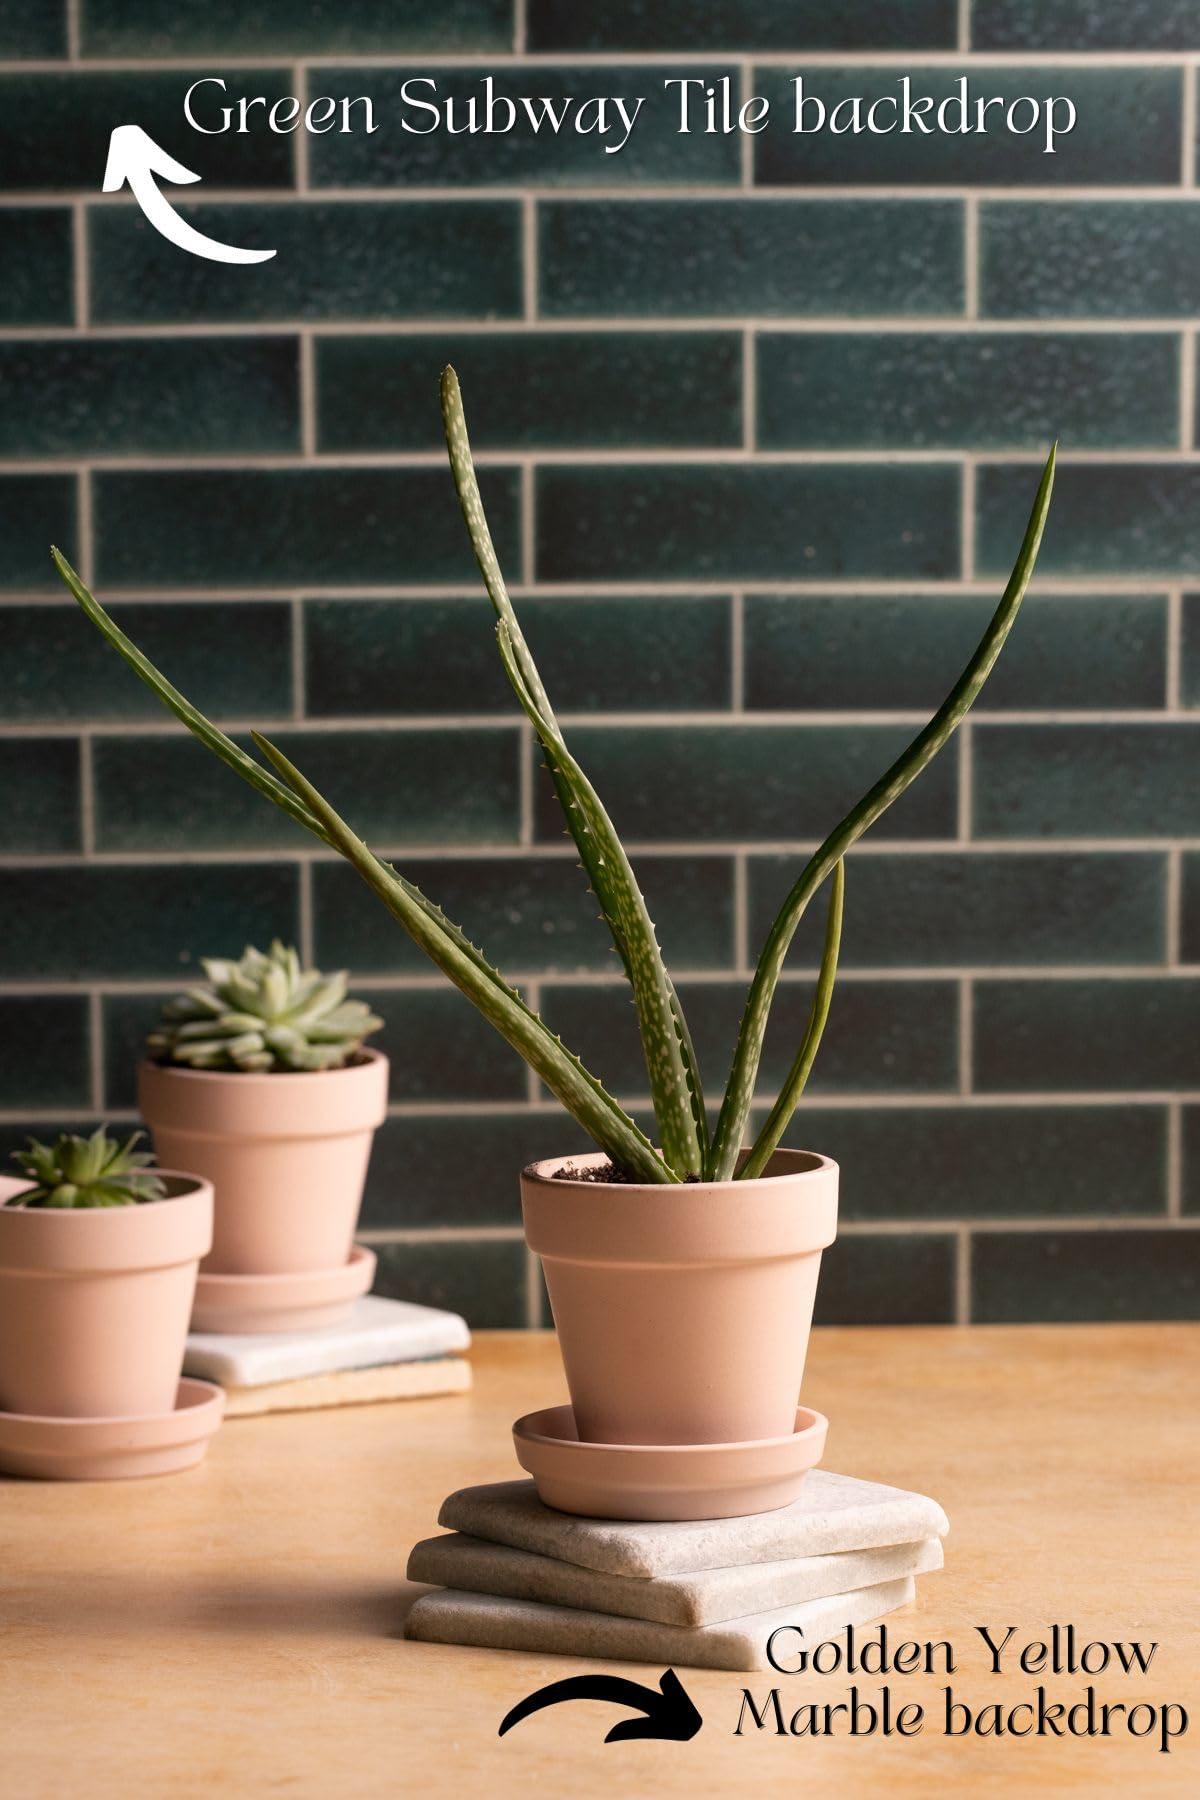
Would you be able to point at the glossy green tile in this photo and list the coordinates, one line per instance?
(704, 258)
(1122, 1035)
(35, 512)
(318, 28)
(1128, 127)
(1084, 25)
(742, 25)
(44, 1056)
(1064, 1278)
(974, 909)
(1189, 651)
(641, 390)
(125, 1022)
(1107, 519)
(33, 28)
(55, 128)
(1108, 259)
(892, 1280)
(991, 1162)
(93, 922)
(231, 658)
(1189, 927)
(1190, 1173)
(483, 1281)
(150, 395)
(461, 787)
(635, 654)
(729, 522)
(749, 782)
(38, 262)
(1105, 781)
(39, 778)
(527, 912)
(461, 1170)
(411, 148)
(440, 1048)
(284, 527)
(882, 1037)
(833, 652)
(977, 390)
(376, 260)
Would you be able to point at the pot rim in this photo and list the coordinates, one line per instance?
(275, 1076)
(191, 1186)
(541, 1174)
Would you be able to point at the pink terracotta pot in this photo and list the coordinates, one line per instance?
(286, 1154)
(94, 1304)
(683, 1312)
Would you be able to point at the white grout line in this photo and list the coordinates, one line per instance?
(1103, 587)
(971, 257)
(741, 914)
(749, 391)
(300, 138)
(964, 26)
(966, 1044)
(967, 519)
(533, 1291)
(520, 27)
(1175, 1161)
(298, 668)
(746, 86)
(81, 270)
(1188, 132)
(715, 61)
(74, 38)
(86, 547)
(95, 1030)
(306, 929)
(308, 396)
(962, 1276)
(1131, 193)
(87, 798)
(1187, 391)
(966, 780)
(526, 777)
(528, 506)
(620, 324)
(883, 1228)
(737, 653)
(1174, 907)
(1174, 649)
(529, 257)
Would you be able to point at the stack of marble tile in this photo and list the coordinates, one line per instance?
(513, 1574)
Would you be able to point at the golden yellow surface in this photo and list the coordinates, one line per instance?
(237, 1630)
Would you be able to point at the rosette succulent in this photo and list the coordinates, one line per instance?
(263, 1012)
(83, 1172)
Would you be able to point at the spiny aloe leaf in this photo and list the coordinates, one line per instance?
(767, 1141)
(739, 1093)
(666, 1043)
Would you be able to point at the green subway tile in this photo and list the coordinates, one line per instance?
(907, 1163)
(644, 390)
(232, 658)
(367, 260)
(882, 1037)
(1109, 259)
(527, 913)
(411, 148)
(36, 255)
(44, 1056)
(1105, 519)
(440, 1047)
(752, 523)
(39, 778)
(1073, 1277)
(389, 657)
(749, 782)
(156, 922)
(1189, 945)
(887, 1280)
(941, 390)
(833, 652)
(980, 910)
(35, 512)
(153, 793)
(483, 1281)
(33, 28)
(1128, 127)
(702, 258)
(1120, 1035)
(318, 28)
(461, 1170)
(1103, 781)
(150, 395)
(55, 129)
(126, 1021)
(1085, 25)
(286, 526)
(1189, 655)
(1191, 1159)
(742, 25)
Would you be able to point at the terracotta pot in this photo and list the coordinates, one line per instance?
(94, 1304)
(683, 1312)
(286, 1153)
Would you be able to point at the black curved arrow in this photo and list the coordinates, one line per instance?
(669, 1712)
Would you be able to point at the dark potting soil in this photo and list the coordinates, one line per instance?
(605, 1172)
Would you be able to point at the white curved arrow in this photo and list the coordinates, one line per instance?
(134, 157)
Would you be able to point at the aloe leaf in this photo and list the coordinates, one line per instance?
(563, 1073)
(739, 1093)
(671, 1064)
(776, 1123)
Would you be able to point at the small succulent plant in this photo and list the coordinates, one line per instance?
(86, 1172)
(263, 1012)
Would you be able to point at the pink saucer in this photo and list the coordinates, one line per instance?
(113, 1449)
(665, 1481)
(299, 1302)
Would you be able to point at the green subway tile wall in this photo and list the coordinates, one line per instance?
(759, 420)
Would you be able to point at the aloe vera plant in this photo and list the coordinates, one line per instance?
(686, 1147)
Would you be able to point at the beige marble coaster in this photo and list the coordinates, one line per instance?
(704, 1598)
(833, 1513)
(450, 1617)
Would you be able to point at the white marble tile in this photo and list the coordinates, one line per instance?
(377, 1331)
